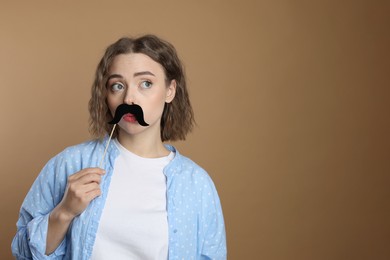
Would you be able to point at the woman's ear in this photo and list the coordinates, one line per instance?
(171, 91)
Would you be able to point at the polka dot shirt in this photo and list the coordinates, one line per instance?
(195, 220)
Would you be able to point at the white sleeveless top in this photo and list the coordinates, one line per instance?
(134, 221)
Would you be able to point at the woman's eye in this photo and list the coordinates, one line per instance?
(117, 87)
(146, 84)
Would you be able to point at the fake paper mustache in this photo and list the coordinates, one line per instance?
(124, 109)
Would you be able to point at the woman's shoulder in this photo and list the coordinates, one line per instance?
(85, 150)
(182, 164)
(88, 146)
(190, 176)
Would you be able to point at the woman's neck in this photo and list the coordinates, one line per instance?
(143, 146)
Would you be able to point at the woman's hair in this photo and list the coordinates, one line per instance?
(177, 118)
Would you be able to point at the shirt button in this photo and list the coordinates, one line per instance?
(175, 231)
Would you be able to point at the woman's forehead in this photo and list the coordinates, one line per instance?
(135, 63)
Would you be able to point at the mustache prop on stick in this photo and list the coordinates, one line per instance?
(120, 111)
(124, 109)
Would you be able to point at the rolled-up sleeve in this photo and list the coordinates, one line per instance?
(214, 241)
(32, 225)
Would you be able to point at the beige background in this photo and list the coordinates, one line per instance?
(291, 100)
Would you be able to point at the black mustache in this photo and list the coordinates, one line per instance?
(124, 109)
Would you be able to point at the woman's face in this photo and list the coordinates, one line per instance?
(137, 79)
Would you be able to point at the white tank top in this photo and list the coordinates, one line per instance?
(134, 221)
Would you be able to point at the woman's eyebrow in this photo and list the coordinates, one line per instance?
(136, 74)
(143, 73)
(114, 76)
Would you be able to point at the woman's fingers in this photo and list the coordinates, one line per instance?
(86, 193)
(90, 187)
(89, 178)
(86, 172)
(82, 188)
(84, 185)
(92, 194)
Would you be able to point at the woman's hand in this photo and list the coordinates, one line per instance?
(81, 189)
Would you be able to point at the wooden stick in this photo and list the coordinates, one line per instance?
(105, 150)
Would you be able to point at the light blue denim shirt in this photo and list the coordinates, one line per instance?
(196, 225)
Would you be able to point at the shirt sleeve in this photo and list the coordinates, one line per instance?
(214, 241)
(46, 192)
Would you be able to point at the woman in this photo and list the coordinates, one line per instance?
(146, 201)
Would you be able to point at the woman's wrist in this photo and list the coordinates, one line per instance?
(61, 216)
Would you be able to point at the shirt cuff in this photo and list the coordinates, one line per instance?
(37, 235)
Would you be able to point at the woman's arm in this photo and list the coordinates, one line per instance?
(46, 192)
(49, 207)
(82, 188)
(214, 240)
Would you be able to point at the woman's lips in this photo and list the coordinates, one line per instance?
(129, 118)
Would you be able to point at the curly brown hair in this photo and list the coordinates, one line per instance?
(177, 118)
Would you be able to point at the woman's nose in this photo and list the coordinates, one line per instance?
(130, 96)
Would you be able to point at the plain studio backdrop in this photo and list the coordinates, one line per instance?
(291, 100)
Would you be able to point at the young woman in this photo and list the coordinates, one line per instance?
(144, 200)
